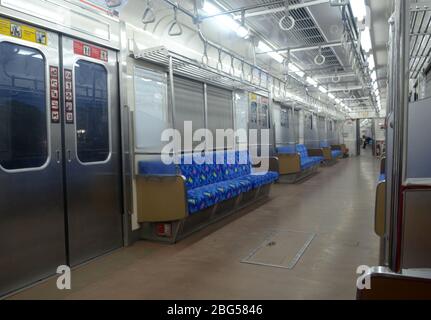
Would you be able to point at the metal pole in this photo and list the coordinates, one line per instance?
(171, 80)
(306, 48)
(398, 123)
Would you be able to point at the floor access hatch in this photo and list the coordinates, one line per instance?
(282, 249)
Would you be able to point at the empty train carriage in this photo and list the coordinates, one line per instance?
(163, 137)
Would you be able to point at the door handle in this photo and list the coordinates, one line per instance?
(69, 156)
(58, 156)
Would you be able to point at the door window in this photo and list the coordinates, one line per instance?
(23, 112)
(92, 112)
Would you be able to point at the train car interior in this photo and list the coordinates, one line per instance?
(214, 149)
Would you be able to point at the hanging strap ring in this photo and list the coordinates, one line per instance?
(292, 23)
(320, 58)
(336, 78)
(205, 58)
(175, 24)
(219, 62)
(149, 15)
(232, 67)
(287, 16)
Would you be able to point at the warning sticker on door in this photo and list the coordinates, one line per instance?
(22, 31)
(54, 94)
(91, 51)
(68, 96)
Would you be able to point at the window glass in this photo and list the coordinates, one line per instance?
(151, 109)
(23, 112)
(92, 112)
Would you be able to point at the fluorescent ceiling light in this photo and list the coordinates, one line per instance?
(366, 40)
(338, 101)
(371, 62)
(331, 96)
(312, 81)
(323, 90)
(359, 9)
(375, 86)
(374, 76)
(294, 68)
(262, 46)
(276, 56)
(225, 20)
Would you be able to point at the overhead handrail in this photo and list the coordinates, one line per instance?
(149, 15)
(175, 24)
(287, 16)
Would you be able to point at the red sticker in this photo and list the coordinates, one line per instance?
(91, 51)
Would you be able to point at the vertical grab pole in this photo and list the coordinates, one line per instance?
(172, 101)
(400, 102)
(171, 80)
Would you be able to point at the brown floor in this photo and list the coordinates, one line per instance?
(336, 204)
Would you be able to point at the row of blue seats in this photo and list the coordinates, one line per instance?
(335, 153)
(307, 162)
(217, 177)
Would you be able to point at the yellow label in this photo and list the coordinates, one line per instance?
(253, 97)
(4, 27)
(28, 34)
(24, 32)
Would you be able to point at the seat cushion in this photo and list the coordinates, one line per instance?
(336, 153)
(207, 196)
(260, 179)
(302, 150)
(309, 162)
(286, 150)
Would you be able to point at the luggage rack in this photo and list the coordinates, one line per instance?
(183, 66)
(420, 38)
(261, 81)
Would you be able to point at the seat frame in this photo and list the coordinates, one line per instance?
(162, 200)
(192, 223)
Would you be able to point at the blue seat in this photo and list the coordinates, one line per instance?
(336, 154)
(307, 162)
(382, 177)
(218, 177)
(286, 150)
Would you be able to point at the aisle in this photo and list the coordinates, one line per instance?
(336, 205)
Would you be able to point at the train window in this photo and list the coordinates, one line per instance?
(189, 105)
(151, 109)
(220, 112)
(92, 112)
(22, 106)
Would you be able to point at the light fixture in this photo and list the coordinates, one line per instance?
(262, 46)
(375, 86)
(225, 20)
(366, 40)
(359, 9)
(374, 76)
(331, 96)
(371, 62)
(295, 69)
(323, 90)
(312, 81)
